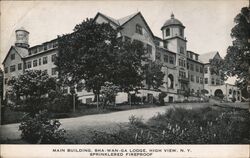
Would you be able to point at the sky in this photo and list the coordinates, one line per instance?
(208, 22)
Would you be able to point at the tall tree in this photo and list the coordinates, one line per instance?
(129, 74)
(237, 59)
(30, 90)
(87, 55)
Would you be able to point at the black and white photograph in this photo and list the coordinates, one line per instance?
(143, 74)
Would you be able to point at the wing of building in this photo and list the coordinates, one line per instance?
(184, 70)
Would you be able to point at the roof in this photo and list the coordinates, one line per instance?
(172, 21)
(22, 29)
(23, 52)
(207, 56)
(122, 21)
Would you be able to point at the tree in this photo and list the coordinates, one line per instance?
(30, 90)
(87, 55)
(129, 74)
(237, 59)
(217, 67)
(93, 55)
(109, 92)
(153, 74)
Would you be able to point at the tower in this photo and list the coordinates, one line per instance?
(174, 41)
(173, 35)
(22, 38)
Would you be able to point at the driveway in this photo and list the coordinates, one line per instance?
(109, 122)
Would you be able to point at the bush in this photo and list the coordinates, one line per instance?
(41, 130)
(60, 103)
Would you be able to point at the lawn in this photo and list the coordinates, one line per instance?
(182, 126)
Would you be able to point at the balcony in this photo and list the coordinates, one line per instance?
(183, 79)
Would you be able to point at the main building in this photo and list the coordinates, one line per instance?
(184, 70)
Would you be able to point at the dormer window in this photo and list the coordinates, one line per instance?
(167, 32)
(138, 29)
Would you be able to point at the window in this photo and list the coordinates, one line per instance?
(167, 32)
(201, 80)
(171, 60)
(149, 49)
(182, 63)
(49, 45)
(187, 65)
(201, 69)
(196, 57)
(192, 78)
(45, 60)
(53, 71)
(45, 47)
(6, 69)
(165, 44)
(206, 70)
(191, 66)
(212, 81)
(88, 100)
(217, 82)
(206, 80)
(19, 67)
(182, 74)
(191, 55)
(29, 64)
(197, 68)
(34, 63)
(166, 58)
(182, 50)
(138, 29)
(40, 61)
(53, 57)
(181, 32)
(40, 49)
(197, 79)
(33, 51)
(12, 68)
(12, 56)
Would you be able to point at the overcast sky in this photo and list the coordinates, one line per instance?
(208, 23)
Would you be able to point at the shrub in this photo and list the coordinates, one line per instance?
(40, 129)
(60, 103)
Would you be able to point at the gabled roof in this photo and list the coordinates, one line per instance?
(122, 21)
(23, 52)
(207, 56)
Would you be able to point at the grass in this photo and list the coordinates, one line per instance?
(183, 126)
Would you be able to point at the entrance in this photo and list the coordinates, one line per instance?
(170, 99)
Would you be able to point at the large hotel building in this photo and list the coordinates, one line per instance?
(183, 69)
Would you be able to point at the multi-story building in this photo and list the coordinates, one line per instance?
(183, 69)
